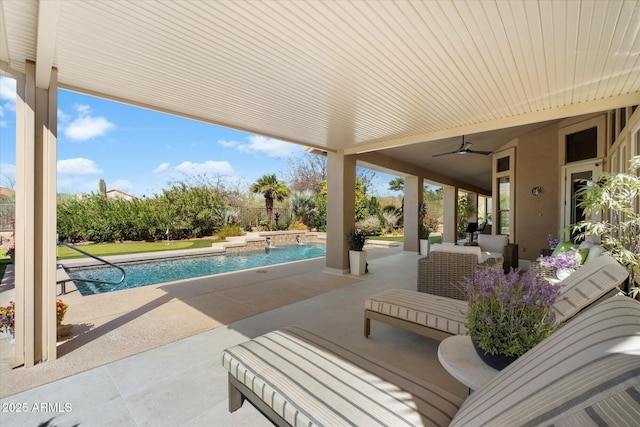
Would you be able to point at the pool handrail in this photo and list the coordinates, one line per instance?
(63, 282)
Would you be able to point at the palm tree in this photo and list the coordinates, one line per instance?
(271, 189)
(303, 205)
(396, 184)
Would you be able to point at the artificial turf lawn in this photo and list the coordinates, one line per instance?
(108, 249)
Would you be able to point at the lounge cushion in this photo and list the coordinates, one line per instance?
(587, 285)
(564, 247)
(594, 249)
(586, 373)
(459, 249)
(310, 381)
(441, 313)
(493, 243)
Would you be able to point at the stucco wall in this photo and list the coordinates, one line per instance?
(537, 166)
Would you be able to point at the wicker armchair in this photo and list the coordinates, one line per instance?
(542, 271)
(442, 273)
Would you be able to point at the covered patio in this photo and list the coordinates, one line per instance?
(385, 85)
(183, 382)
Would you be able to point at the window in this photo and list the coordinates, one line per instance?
(503, 193)
(504, 205)
(503, 164)
(582, 145)
(614, 133)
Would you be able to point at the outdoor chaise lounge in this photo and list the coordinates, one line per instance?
(438, 317)
(585, 373)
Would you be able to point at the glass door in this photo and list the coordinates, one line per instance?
(576, 177)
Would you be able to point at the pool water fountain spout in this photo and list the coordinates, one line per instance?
(299, 240)
(269, 243)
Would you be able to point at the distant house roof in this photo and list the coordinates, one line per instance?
(4, 191)
(117, 194)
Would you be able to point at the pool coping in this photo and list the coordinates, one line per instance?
(247, 243)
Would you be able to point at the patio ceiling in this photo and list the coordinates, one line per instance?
(405, 77)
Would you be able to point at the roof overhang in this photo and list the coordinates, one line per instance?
(356, 77)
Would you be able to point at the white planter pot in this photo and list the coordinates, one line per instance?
(424, 246)
(357, 262)
(563, 273)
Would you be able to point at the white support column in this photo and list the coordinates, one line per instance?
(35, 273)
(412, 198)
(341, 197)
(450, 214)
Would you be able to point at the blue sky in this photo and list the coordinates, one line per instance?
(139, 151)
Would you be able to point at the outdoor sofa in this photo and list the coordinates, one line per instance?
(438, 316)
(585, 373)
(446, 265)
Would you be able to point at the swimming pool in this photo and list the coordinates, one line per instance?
(167, 270)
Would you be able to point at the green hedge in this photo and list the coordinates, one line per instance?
(186, 212)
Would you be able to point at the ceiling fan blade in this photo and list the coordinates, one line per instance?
(463, 147)
(486, 153)
(446, 154)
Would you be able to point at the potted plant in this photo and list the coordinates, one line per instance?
(8, 319)
(508, 313)
(61, 309)
(564, 263)
(613, 198)
(357, 255)
(424, 239)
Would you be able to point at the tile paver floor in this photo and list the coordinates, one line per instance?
(156, 361)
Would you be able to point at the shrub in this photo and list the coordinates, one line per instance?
(370, 226)
(298, 225)
(230, 230)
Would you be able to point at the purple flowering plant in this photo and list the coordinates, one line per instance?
(8, 317)
(509, 313)
(569, 259)
(356, 239)
(552, 241)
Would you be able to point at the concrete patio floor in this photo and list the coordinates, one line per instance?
(151, 356)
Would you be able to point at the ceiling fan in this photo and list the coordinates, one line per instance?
(464, 149)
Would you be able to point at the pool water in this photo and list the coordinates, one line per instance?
(167, 270)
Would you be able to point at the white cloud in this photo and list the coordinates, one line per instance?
(161, 168)
(7, 175)
(82, 109)
(8, 90)
(84, 128)
(120, 184)
(262, 145)
(8, 96)
(206, 168)
(63, 117)
(229, 144)
(78, 166)
(77, 184)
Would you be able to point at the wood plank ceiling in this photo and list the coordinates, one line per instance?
(338, 75)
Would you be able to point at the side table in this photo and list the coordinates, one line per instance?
(460, 359)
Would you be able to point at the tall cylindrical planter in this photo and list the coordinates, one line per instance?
(424, 246)
(357, 262)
